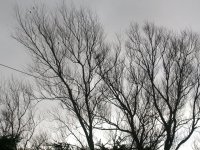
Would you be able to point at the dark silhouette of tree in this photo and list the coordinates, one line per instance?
(150, 85)
(9, 142)
(170, 63)
(155, 86)
(39, 141)
(63, 48)
(17, 123)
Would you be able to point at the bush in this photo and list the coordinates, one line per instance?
(8, 142)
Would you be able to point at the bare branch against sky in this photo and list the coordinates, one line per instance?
(114, 16)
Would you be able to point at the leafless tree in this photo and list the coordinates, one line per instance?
(66, 128)
(17, 112)
(64, 46)
(151, 88)
(124, 89)
(39, 141)
(155, 84)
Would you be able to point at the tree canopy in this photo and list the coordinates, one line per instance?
(142, 91)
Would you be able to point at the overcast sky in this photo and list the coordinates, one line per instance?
(115, 15)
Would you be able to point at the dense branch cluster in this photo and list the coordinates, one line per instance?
(143, 91)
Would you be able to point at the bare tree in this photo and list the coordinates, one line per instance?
(156, 86)
(171, 64)
(16, 113)
(39, 141)
(64, 47)
(152, 88)
(124, 88)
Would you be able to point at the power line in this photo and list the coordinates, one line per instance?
(23, 72)
(6, 66)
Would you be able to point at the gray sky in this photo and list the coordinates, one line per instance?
(115, 15)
